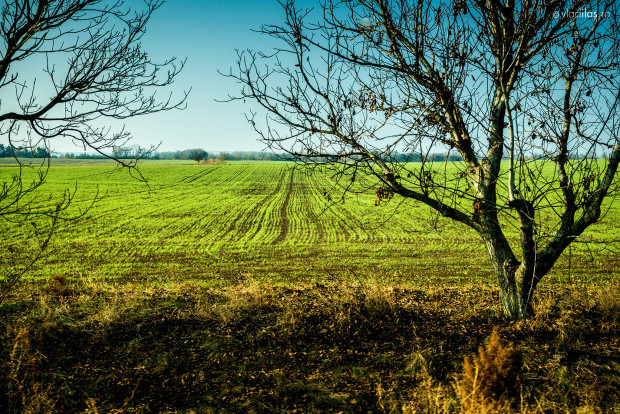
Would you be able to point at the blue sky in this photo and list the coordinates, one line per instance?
(206, 33)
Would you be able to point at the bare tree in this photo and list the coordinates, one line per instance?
(525, 91)
(197, 154)
(67, 66)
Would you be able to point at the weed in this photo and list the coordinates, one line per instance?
(489, 380)
(58, 286)
(608, 301)
(28, 393)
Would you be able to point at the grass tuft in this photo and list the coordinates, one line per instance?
(489, 379)
(58, 286)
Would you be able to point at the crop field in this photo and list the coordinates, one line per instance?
(226, 223)
(254, 288)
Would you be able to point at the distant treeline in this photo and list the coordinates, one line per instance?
(188, 154)
(128, 153)
(8, 151)
(416, 157)
(398, 157)
(269, 156)
(252, 156)
(198, 154)
(191, 154)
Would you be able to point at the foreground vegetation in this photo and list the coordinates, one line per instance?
(79, 346)
(251, 287)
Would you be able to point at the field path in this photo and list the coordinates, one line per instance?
(283, 212)
(259, 206)
(247, 218)
(198, 175)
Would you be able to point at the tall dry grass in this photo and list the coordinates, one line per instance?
(490, 378)
(390, 320)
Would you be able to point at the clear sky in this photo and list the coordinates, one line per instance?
(206, 33)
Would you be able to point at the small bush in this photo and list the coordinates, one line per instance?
(58, 286)
(489, 380)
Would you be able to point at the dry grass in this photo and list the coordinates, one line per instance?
(211, 161)
(58, 286)
(27, 393)
(607, 300)
(489, 380)
(82, 346)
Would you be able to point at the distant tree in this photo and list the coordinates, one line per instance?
(65, 67)
(197, 154)
(534, 82)
(123, 153)
(222, 156)
(41, 152)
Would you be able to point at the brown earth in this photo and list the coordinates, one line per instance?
(79, 347)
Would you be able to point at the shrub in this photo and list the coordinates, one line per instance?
(58, 286)
(489, 380)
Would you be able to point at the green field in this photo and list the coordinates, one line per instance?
(264, 221)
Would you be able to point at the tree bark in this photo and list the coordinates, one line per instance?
(517, 289)
(517, 279)
(517, 283)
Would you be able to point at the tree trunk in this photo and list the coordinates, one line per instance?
(517, 290)
(517, 280)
